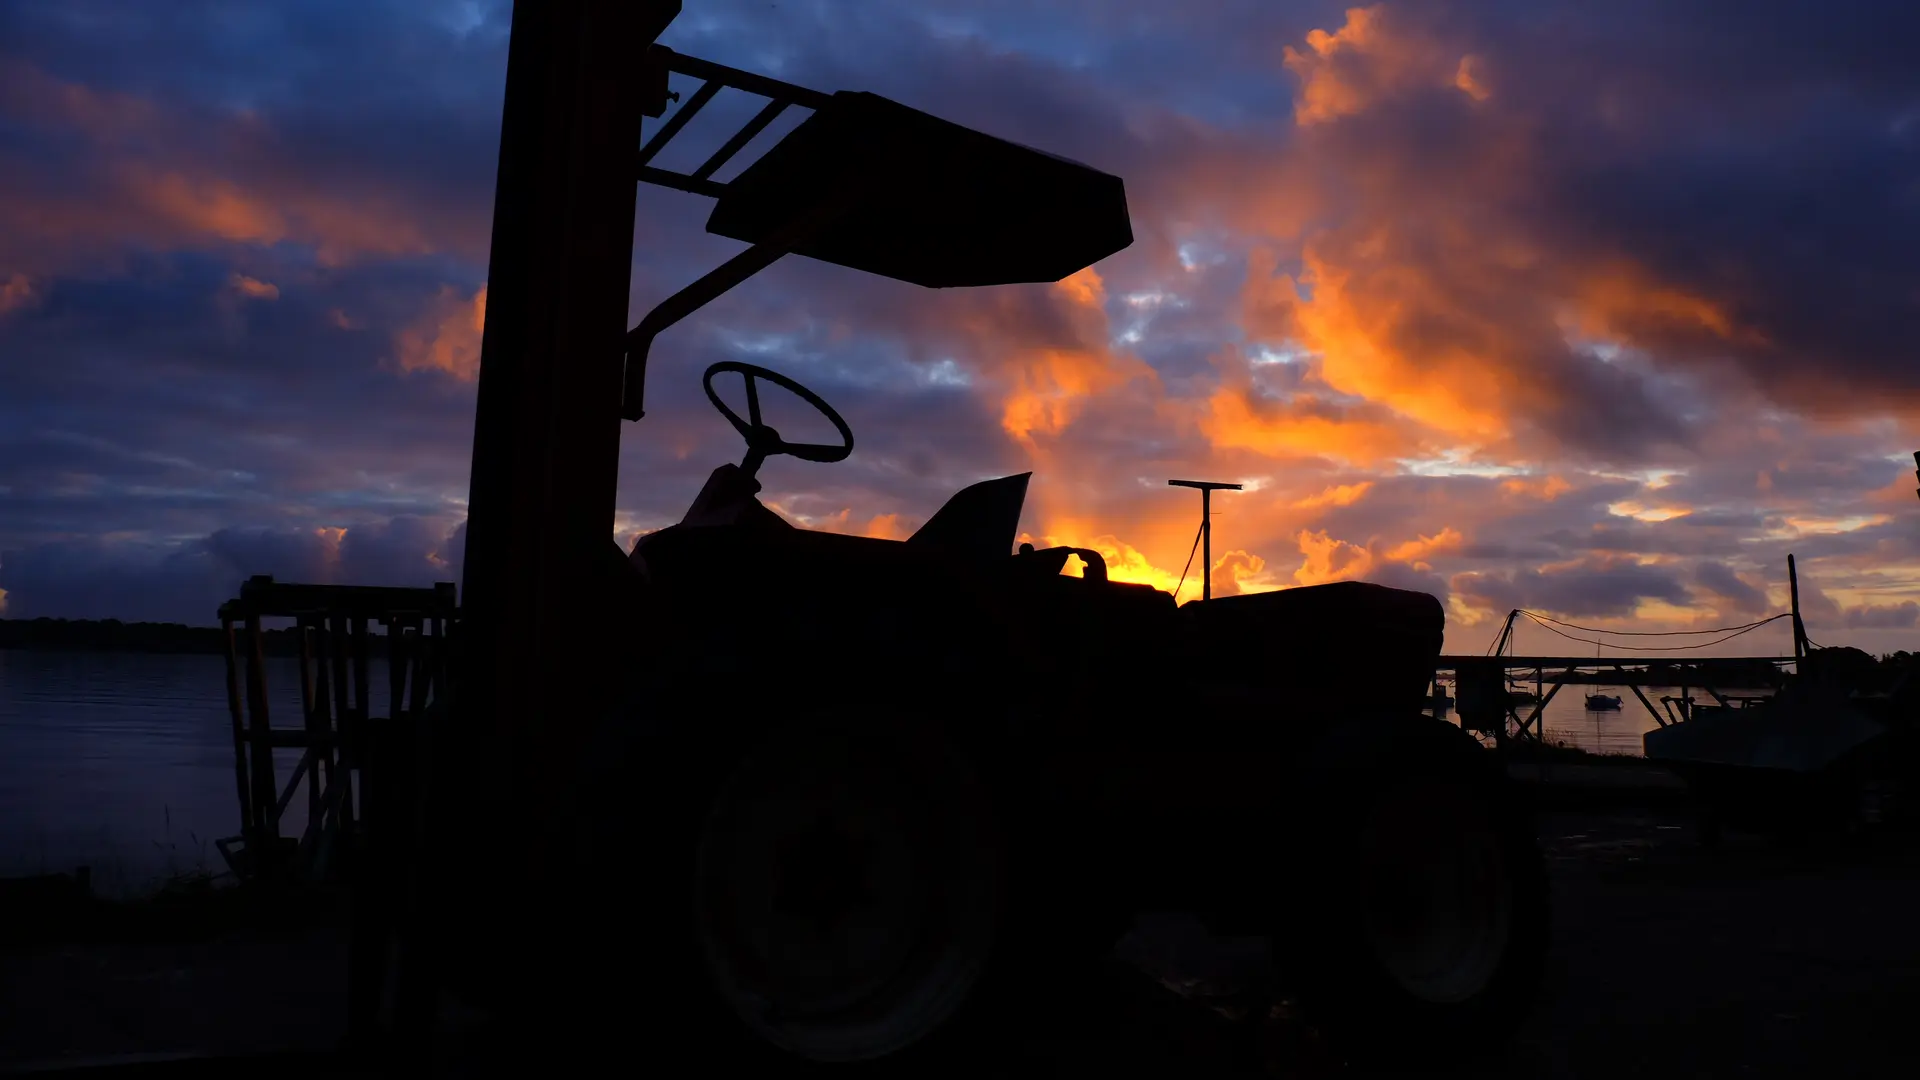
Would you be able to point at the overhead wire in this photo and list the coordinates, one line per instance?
(1652, 633)
(1545, 624)
(1189, 566)
(1496, 637)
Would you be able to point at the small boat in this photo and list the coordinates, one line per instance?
(1522, 697)
(1601, 702)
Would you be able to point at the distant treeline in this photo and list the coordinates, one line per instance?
(1743, 676)
(112, 635)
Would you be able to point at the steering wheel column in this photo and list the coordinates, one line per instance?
(763, 441)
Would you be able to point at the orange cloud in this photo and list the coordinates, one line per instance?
(1341, 495)
(1417, 281)
(99, 114)
(1545, 489)
(1621, 302)
(1365, 316)
(331, 537)
(1239, 572)
(254, 288)
(447, 338)
(1237, 418)
(151, 174)
(886, 527)
(1045, 387)
(1370, 58)
(340, 228)
(879, 527)
(15, 293)
(1900, 493)
(1085, 288)
(1325, 558)
(1415, 552)
(1470, 78)
(1642, 512)
(208, 205)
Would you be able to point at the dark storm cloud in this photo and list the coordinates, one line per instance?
(1724, 583)
(1595, 590)
(1760, 155)
(1402, 576)
(93, 580)
(344, 128)
(168, 390)
(187, 582)
(1901, 616)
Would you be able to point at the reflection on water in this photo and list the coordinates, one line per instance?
(1567, 719)
(124, 762)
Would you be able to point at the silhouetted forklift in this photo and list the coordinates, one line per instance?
(835, 800)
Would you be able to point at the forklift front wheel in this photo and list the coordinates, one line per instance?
(845, 890)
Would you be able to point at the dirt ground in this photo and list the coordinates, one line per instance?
(1756, 960)
(1760, 959)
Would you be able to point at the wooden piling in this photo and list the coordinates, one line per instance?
(266, 802)
(237, 711)
(1799, 628)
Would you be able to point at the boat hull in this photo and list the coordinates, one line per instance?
(1796, 762)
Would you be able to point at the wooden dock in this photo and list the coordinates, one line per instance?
(1481, 683)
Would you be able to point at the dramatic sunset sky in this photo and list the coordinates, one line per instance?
(1598, 309)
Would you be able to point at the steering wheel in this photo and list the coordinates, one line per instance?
(763, 441)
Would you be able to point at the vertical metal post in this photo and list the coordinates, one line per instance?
(533, 662)
(1206, 543)
(1207, 488)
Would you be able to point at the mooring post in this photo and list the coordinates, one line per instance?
(1793, 595)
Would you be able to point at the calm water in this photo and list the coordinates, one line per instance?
(124, 761)
(1567, 719)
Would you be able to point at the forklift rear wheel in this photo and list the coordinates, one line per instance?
(1419, 932)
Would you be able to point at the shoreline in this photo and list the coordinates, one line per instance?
(164, 639)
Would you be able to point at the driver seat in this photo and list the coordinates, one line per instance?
(980, 522)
